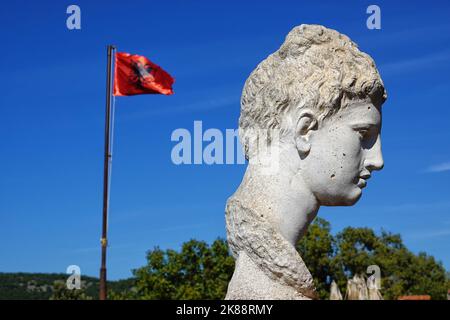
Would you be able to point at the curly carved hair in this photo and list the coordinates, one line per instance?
(316, 68)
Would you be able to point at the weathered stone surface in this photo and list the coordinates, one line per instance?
(335, 293)
(310, 126)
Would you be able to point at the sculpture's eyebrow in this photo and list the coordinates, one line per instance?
(364, 124)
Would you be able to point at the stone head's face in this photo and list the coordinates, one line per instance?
(317, 89)
(343, 151)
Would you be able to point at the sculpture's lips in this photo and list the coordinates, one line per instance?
(362, 179)
(362, 183)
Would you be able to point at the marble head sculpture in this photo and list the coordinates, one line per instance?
(322, 97)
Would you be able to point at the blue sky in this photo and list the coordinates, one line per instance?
(52, 122)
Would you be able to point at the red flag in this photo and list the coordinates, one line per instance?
(136, 74)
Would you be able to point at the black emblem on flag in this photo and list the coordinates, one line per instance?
(142, 73)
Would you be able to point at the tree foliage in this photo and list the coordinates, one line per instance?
(200, 271)
(317, 249)
(60, 292)
(352, 250)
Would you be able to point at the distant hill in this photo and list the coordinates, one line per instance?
(39, 286)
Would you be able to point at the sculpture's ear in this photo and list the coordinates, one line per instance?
(306, 123)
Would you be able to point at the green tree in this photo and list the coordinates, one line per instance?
(60, 292)
(317, 248)
(402, 272)
(198, 271)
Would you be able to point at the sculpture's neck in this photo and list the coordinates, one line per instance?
(283, 197)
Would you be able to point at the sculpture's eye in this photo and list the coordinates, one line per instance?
(363, 132)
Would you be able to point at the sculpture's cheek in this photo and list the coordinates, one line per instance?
(335, 166)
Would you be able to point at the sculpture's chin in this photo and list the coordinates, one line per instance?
(347, 199)
(353, 197)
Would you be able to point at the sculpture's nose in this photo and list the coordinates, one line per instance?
(374, 156)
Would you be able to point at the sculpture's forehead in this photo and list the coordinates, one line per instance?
(361, 112)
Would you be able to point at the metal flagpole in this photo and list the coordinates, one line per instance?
(106, 174)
